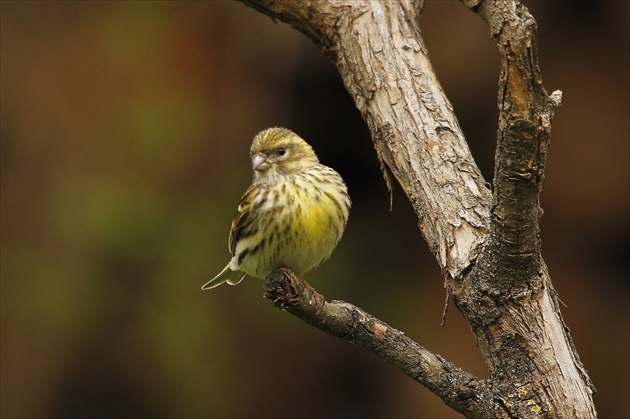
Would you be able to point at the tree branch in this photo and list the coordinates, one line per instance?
(487, 245)
(460, 390)
(509, 288)
(381, 57)
(525, 116)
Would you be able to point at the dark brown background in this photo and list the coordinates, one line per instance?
(125, 134)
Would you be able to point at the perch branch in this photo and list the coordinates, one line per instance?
(459, 389)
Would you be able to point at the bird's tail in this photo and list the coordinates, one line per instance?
(226, 275)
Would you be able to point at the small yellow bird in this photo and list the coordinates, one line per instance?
(293, 215)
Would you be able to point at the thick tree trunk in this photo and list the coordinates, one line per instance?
(487, 243)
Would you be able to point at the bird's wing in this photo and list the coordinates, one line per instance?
(242, 219)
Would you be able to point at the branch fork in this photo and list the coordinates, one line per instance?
(486, 242)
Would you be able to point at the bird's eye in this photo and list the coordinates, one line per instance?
(281, 151)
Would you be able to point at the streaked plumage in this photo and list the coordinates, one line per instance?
(293, 215)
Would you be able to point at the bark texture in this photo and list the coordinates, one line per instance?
(487, 243)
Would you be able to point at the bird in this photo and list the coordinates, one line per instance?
(293, 214)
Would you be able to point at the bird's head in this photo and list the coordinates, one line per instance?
(279, 152)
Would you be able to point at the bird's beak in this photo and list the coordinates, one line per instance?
(259, 162)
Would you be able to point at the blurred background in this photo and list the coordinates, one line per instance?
(125, 134)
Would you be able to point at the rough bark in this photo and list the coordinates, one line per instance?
(487, 243)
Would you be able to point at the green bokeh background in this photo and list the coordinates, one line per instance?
(125, 130)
